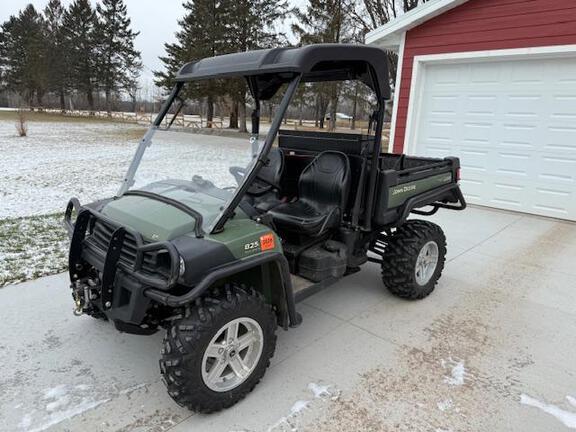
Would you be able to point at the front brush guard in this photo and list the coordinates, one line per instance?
(86, 217)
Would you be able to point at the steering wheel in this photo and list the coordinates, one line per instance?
(202, 182)
(238, 173)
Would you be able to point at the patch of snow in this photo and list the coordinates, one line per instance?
(56, 392)
(60, 416)
(445, 405)
(457, 373)
(299, 406)
(83, 387)
(567, 418)
(61, 402)
(132, 389)
(26, 422)
(571, 400)
(290, 421)
(319, 391)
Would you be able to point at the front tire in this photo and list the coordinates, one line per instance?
(413, 259)
(214, 356)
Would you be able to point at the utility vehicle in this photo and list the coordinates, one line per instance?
(215, 235)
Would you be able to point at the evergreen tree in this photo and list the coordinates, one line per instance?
(24, 55)
(215, 27)
(3, 59)
(57, 63)
(250, 26)
(81, 43)
(202, 34)
(325, 21)
(119, 63)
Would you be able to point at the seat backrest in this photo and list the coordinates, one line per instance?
(325, 182)
(268, 177)
(272, 171)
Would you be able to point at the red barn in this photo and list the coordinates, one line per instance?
(493, 82)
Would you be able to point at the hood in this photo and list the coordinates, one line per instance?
(158, 221)
(155, 220)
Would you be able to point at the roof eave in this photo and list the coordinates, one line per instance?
(389, 35)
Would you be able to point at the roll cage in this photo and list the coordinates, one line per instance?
(265, 72)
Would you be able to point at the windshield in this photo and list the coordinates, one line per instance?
(202, 151)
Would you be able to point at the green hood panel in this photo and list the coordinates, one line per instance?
(155, 220)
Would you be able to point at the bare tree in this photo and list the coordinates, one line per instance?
(21, 125)
(411, 4)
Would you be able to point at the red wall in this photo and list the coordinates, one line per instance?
(480, 25)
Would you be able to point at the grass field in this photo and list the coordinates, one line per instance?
(31, 247)
(61, 157)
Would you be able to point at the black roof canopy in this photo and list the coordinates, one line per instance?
(268, 69)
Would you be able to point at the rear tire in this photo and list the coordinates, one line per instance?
(413, 259)
(204, 366)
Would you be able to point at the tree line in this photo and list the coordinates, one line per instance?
(81, 50)
(212, 28)
(61, 51)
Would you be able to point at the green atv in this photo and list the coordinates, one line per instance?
(216, 235)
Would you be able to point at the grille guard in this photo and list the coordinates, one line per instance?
(77, 231)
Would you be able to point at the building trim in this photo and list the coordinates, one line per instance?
(397, 86)
(409, 20)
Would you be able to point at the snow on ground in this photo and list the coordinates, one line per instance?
(568, 418)
(40, 172)
(291, 421)
(457, 372)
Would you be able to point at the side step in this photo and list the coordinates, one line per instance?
(303, 288)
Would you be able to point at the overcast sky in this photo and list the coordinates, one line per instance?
(156, 21)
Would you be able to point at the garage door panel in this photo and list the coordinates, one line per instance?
(517, 132)
(480, 104)
(522, 106)
(518, 166)
(513, 125)
(549, 201)
(564, 108)
(444, 105)
(482, 73)
(522, 73)
(558, 170)
(561, 140)
(437, 151)
(474, 190)
(508, 193)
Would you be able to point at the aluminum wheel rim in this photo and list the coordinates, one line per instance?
(232, 354)
(426, 263)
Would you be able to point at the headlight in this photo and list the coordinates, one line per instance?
(182, 267)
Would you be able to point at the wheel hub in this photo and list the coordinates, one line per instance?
(426, 263)
(232, 354)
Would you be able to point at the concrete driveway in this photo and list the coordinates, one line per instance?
(491, 350)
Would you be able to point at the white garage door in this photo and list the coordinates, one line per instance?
(512, 123)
